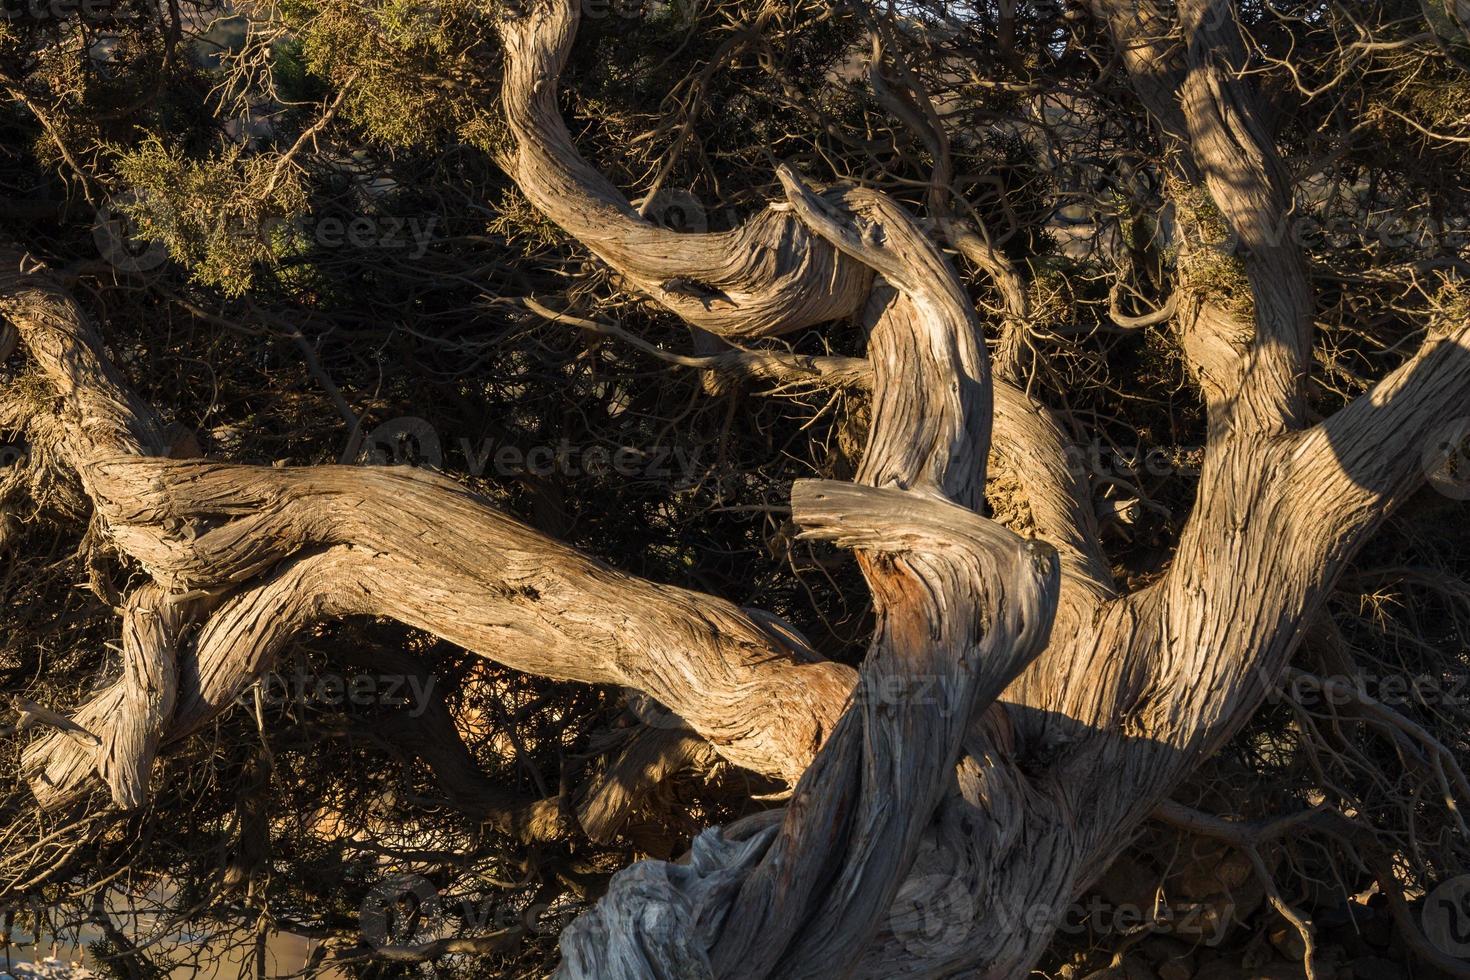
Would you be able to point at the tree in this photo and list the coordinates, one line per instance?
(996, 235)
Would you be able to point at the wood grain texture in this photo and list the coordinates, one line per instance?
(1068, 711)
(962, 605)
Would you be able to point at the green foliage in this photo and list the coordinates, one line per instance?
(413, 67)
(221, 216)
(1206, 254)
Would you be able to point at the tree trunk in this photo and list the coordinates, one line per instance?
(1015, 719)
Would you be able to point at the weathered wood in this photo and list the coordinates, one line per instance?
(1134, 690)
(1188, 73)
(416, 548)
(771, 275)
(147, 692)
(279, 549)
(910, 799)
(962, 606)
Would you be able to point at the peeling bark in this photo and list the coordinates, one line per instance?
(1070, 712)
(277, 550)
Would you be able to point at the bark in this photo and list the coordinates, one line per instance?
(1189, 74)
(771, 275)
(416, 548)
(271, 551)
(1134, 691)
(962, 604)
(148, 690)
(1068, 712)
